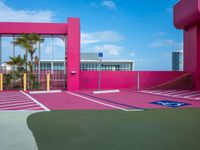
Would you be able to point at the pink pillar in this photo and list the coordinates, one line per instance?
(192, 54)
(187, 17)
(73, 54)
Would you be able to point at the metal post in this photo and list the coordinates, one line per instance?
(1, 81)
(13, 46)
(138, 81)
(48, 81)
(65, 53)
(52, 54)
(13, 67)
(0, 53)
(39, 49)
(25, 82)
(99, 79)
(64, 56)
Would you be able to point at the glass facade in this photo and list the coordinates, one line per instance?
(89, 66)
(177, 61)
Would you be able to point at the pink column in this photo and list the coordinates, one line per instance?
(192, 54)
(187, 17)
(73, 54)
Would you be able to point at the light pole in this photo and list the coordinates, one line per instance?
(99, 79)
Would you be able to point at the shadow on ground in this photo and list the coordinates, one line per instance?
(156, 129)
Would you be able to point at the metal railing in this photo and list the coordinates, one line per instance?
(27, 81)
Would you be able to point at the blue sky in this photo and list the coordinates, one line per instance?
(121, 29)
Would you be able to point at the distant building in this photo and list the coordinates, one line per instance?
(90, 65)
(89, 62)
(177, 61)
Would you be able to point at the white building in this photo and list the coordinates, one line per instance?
(88, 62)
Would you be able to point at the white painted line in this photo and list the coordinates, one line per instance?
(166, 92)
(177, 92)
(44, 107)
(83, 97)
(153, 91)
(11, 94)
(198, 98)
(33, 108)
(157, 91)
(14, 111)
(144, 91)
(14, 99)
(14, 96)
(186, 93)
(192, 95)
(14, 107)
(161, 93)
(106, 91)
(45, 92)
(8, 105)
(16, 102)
(134, 110)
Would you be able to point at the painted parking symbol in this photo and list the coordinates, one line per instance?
(169, 103)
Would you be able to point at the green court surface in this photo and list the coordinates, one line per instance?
(157, 129)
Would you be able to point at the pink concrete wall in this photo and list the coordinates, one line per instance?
(73, 54)
(186, 13)
(70, 29)
(39, 28)
(125, 79)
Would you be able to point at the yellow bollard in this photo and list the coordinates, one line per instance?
(25, 81)
(48, 81)
(1, 82)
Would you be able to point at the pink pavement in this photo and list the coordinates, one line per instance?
(65, 101)
(126, 99)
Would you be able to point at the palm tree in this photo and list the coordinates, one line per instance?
(18, 64)
(29, 43)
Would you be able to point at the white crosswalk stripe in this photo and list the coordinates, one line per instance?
(185, 94)
(19, 101)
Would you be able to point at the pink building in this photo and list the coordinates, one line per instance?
(186, 16)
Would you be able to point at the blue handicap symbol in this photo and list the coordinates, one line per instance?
(169, 103)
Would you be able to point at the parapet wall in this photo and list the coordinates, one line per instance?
(125, 79)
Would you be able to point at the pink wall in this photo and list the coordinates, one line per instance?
(70, 29)
(73, 54)
(125, 79)
(186, 13)
(40, 28)
(187, 17)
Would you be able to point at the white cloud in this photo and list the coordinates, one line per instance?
(8, 14)
(109, 4)
(48, 49)
(180, 50)
(166, 53)
(97, 37)
(58, 42)
(161, 33)
(132, 54)
(113, 50)
(167, 43)
(162, 43)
